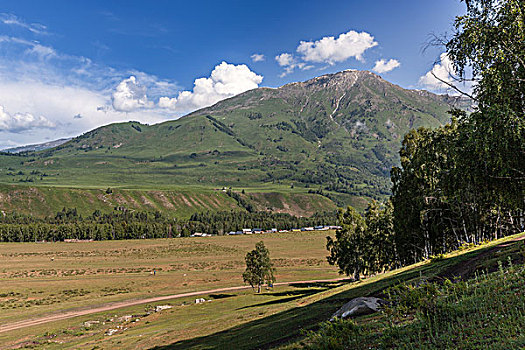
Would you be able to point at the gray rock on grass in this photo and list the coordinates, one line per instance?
(357, 307)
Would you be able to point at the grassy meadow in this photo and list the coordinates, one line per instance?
(42, 279)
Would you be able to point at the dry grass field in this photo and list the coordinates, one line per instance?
(43, 279)
(39, 279)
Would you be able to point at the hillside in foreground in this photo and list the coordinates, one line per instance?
(338, 133)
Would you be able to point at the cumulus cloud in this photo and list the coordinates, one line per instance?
(19, 122)
(332, 50)
(226, 80)
(257, 57)
(285, 59)
(130, 96)
(62, 105)
(442, 75)
(383, 66)
(290, 63)
(443, 70)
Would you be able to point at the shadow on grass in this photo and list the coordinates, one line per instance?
(294, 292)
(291, 296)
(331, 284)
(289, 325)
(222, 296)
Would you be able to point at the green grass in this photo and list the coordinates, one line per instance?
(176, 202)
(484, 312)
(238, 319)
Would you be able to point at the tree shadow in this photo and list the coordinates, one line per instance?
(282, 327)
(330, 284)
(221, 296)
(289, 325)
(291, 296)
(293, 292)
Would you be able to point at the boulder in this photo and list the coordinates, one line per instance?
(358, 306)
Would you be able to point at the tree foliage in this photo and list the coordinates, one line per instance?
(463, 182)
(126, 224)
(363, 245)
(259, 268)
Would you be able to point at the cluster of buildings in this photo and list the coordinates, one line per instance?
(251, 231)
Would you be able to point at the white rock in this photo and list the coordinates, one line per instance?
(159, 308)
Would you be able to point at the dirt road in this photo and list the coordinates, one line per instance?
(81, 312)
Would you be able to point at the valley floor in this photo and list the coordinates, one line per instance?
(95, 273)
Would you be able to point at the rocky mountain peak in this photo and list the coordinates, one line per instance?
(340, 81)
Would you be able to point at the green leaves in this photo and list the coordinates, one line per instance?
(259, 268)
(363, 245)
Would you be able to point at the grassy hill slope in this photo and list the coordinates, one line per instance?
(180, 203)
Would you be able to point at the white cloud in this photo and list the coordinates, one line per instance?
(442, 76)
(257, 57)
(46, 94)
(61, 105)
(285, 59)
(226, 80)
(41, 51)
(442, 70)
(10, 19)
(130, 96)
(19, 122)
(331, 50)
(290, 63)
(383, 66)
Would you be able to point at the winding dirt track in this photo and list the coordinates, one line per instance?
(112, 306)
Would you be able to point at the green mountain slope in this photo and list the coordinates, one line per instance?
(339, 133)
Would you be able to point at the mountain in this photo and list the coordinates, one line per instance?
(36, 147)
(338, 134)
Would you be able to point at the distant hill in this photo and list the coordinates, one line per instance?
(36, 147)
(337, 134)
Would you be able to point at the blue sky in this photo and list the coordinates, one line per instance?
(69, 66)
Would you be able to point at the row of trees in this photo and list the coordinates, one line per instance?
(227, 221)
(463, 182)
(125, 224)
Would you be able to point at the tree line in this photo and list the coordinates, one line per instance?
(127, 224)
(464, 182)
